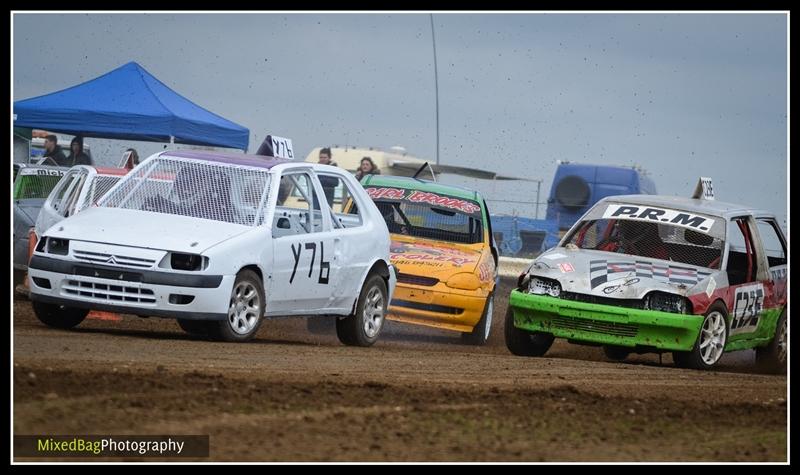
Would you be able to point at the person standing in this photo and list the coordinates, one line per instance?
(328, 183)
(76, 155)
(53, 151)
(367, 167)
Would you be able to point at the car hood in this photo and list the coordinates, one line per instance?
(608, 274)
(145, 229)
(29, 208)
(431, 258)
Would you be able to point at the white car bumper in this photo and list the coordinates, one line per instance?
(208, 299)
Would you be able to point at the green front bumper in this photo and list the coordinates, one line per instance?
(604, 324)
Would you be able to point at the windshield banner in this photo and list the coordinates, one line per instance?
(425, 197)
(660, 215)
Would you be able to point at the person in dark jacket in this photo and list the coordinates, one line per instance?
(53, 152)
(328, 183)
(76, 155)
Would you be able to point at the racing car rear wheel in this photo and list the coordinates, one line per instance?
(363, 327)
(616, 353)
(480, 334)
(772, 358)
(525, 343)
(245, 309)
(59, 316)
(710, 344)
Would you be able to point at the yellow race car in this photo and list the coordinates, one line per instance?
(444, 252)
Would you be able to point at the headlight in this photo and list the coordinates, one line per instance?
(56, 246)
(664, 302)
(464, 281)
(540, 286)
(184, 261)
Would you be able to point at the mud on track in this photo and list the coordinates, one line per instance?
(417, 395)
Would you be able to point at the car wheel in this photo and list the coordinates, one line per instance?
(363, 327)
(245, 309)
(772, 358)
(616, 353)
(710, 344)
(59, 316)
(195, 327)
(525, 343)
(480, 334)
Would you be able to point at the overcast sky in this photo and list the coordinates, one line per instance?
(682, 95)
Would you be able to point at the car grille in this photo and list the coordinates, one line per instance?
(594, 299)
(594, 326)
(110, 292)
(113, 259)
(416, 280)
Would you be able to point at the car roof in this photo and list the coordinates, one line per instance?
(111, 171)
(710, 207)
(422, 185)
(258, 161)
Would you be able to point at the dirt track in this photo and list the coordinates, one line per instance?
(417, 395)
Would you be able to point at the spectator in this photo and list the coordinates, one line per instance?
(53, 151)
(328, 183)
(76, 155)
(132, 159)
(367, 167)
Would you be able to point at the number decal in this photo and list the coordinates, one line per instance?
(748, 302)
(313, 247)
(324, 266)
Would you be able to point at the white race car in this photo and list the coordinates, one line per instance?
(220, 241)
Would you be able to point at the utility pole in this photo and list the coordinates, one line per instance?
(436, 85)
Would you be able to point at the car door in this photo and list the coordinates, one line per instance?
(748, 290)
(351, 231)
(62, 201)
(303, 249)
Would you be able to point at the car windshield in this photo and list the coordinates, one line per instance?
(201, 189)
(649, 239)
(429, 215)
(32, 183)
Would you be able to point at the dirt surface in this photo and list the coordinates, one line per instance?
(417, 395)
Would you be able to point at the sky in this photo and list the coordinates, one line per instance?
(681, 95)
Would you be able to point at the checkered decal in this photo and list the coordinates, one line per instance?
(600, 270)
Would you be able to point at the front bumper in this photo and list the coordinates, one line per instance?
(135, 292)
(604, 324)
(457, 310)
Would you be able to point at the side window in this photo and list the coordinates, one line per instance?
(293, 213)
(774, 246)
(341, 199)
(742, 257)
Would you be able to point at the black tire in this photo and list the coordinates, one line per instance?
(616, 353)
(59, 316)
(351, 329)
(480, 333)
(525, 343)
(695, 359)
(324, 325)
(772, 358)
(198, 328)
(242, 307)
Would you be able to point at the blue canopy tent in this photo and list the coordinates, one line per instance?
(129, 103)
